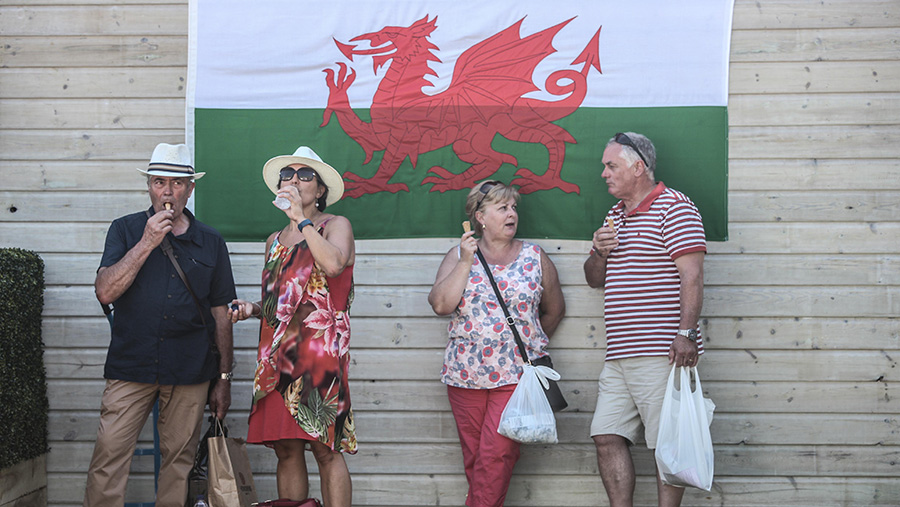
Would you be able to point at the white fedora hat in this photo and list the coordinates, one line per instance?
(172, 161)
(304, 155)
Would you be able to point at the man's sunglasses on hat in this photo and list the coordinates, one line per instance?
(625, 140)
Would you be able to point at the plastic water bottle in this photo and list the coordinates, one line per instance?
(282, 203)
(200, 502)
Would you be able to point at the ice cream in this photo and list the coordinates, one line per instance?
(466, 226)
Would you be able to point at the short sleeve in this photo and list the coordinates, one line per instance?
(116, 245)
(222, 291)
(683, 229)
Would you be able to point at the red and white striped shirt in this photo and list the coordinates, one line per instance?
(641, 303)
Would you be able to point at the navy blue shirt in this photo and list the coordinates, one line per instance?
(158, 335)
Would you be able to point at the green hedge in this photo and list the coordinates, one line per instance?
(23, 379)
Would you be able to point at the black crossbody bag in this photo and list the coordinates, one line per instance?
(554, 395)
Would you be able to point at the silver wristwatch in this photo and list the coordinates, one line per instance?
(690, 334)
(226, 376)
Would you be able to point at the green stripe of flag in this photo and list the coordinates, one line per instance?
(233, 144)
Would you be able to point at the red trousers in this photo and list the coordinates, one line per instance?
(488, 457)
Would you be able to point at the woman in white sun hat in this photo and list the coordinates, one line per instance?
(301, 396)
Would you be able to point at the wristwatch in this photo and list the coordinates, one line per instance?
(226, 376)
(690, 334)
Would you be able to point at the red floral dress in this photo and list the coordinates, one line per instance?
(304, 341)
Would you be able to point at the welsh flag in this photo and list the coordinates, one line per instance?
(415, 102)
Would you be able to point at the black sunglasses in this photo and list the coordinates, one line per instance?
(303, 173)
(484, 189)
(625, 140)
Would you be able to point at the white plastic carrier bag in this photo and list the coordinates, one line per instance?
(528, 417)
(684, 451)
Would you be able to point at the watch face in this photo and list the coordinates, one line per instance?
(690, 334)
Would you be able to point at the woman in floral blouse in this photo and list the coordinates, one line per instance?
(482, 363)
(301, 395)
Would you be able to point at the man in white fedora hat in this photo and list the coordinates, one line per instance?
(168, 277)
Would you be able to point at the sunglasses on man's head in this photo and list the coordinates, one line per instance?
(303, 173)
(625, 140)
(484, 189)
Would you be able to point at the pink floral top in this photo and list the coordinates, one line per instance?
(482, 352)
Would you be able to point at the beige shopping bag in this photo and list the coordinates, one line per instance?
(230, 479)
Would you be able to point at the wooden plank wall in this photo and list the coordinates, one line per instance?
(801, 303)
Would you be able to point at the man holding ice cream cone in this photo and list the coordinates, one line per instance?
(168, 277)
(648, 259)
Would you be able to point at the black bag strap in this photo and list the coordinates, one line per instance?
(167, 249)
(201, 460)
(509, 320)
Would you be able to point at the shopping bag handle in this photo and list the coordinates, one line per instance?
(544, 373)
(220, 430)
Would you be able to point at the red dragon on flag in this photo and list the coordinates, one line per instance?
(486, 97)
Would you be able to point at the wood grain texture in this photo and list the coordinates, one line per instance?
(812, 79)
(839, 141)
(94, 51)
(582, 490)
(81, 145)
(75, 83)
(563, 459)
(748, 365)
(786, 14)
(744, 206)
(401, 269)
(437, 427)
(741, 333)
(796, 109)
(60, 20)
(758, 238)
(812, 44)
(93, 113)
(56, 175)
(382, 301)
(813, 174)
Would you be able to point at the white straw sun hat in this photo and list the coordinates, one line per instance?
(306, 156)
(172, 161)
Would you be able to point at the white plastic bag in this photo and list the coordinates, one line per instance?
(684, 451)
(528, 417)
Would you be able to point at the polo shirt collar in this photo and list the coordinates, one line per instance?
(647, 202)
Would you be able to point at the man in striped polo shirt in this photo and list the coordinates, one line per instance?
(648, 258)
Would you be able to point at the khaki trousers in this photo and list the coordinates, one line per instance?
(123, 411)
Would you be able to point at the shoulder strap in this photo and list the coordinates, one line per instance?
(322, 225)
(167, 249)
(509, 320)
